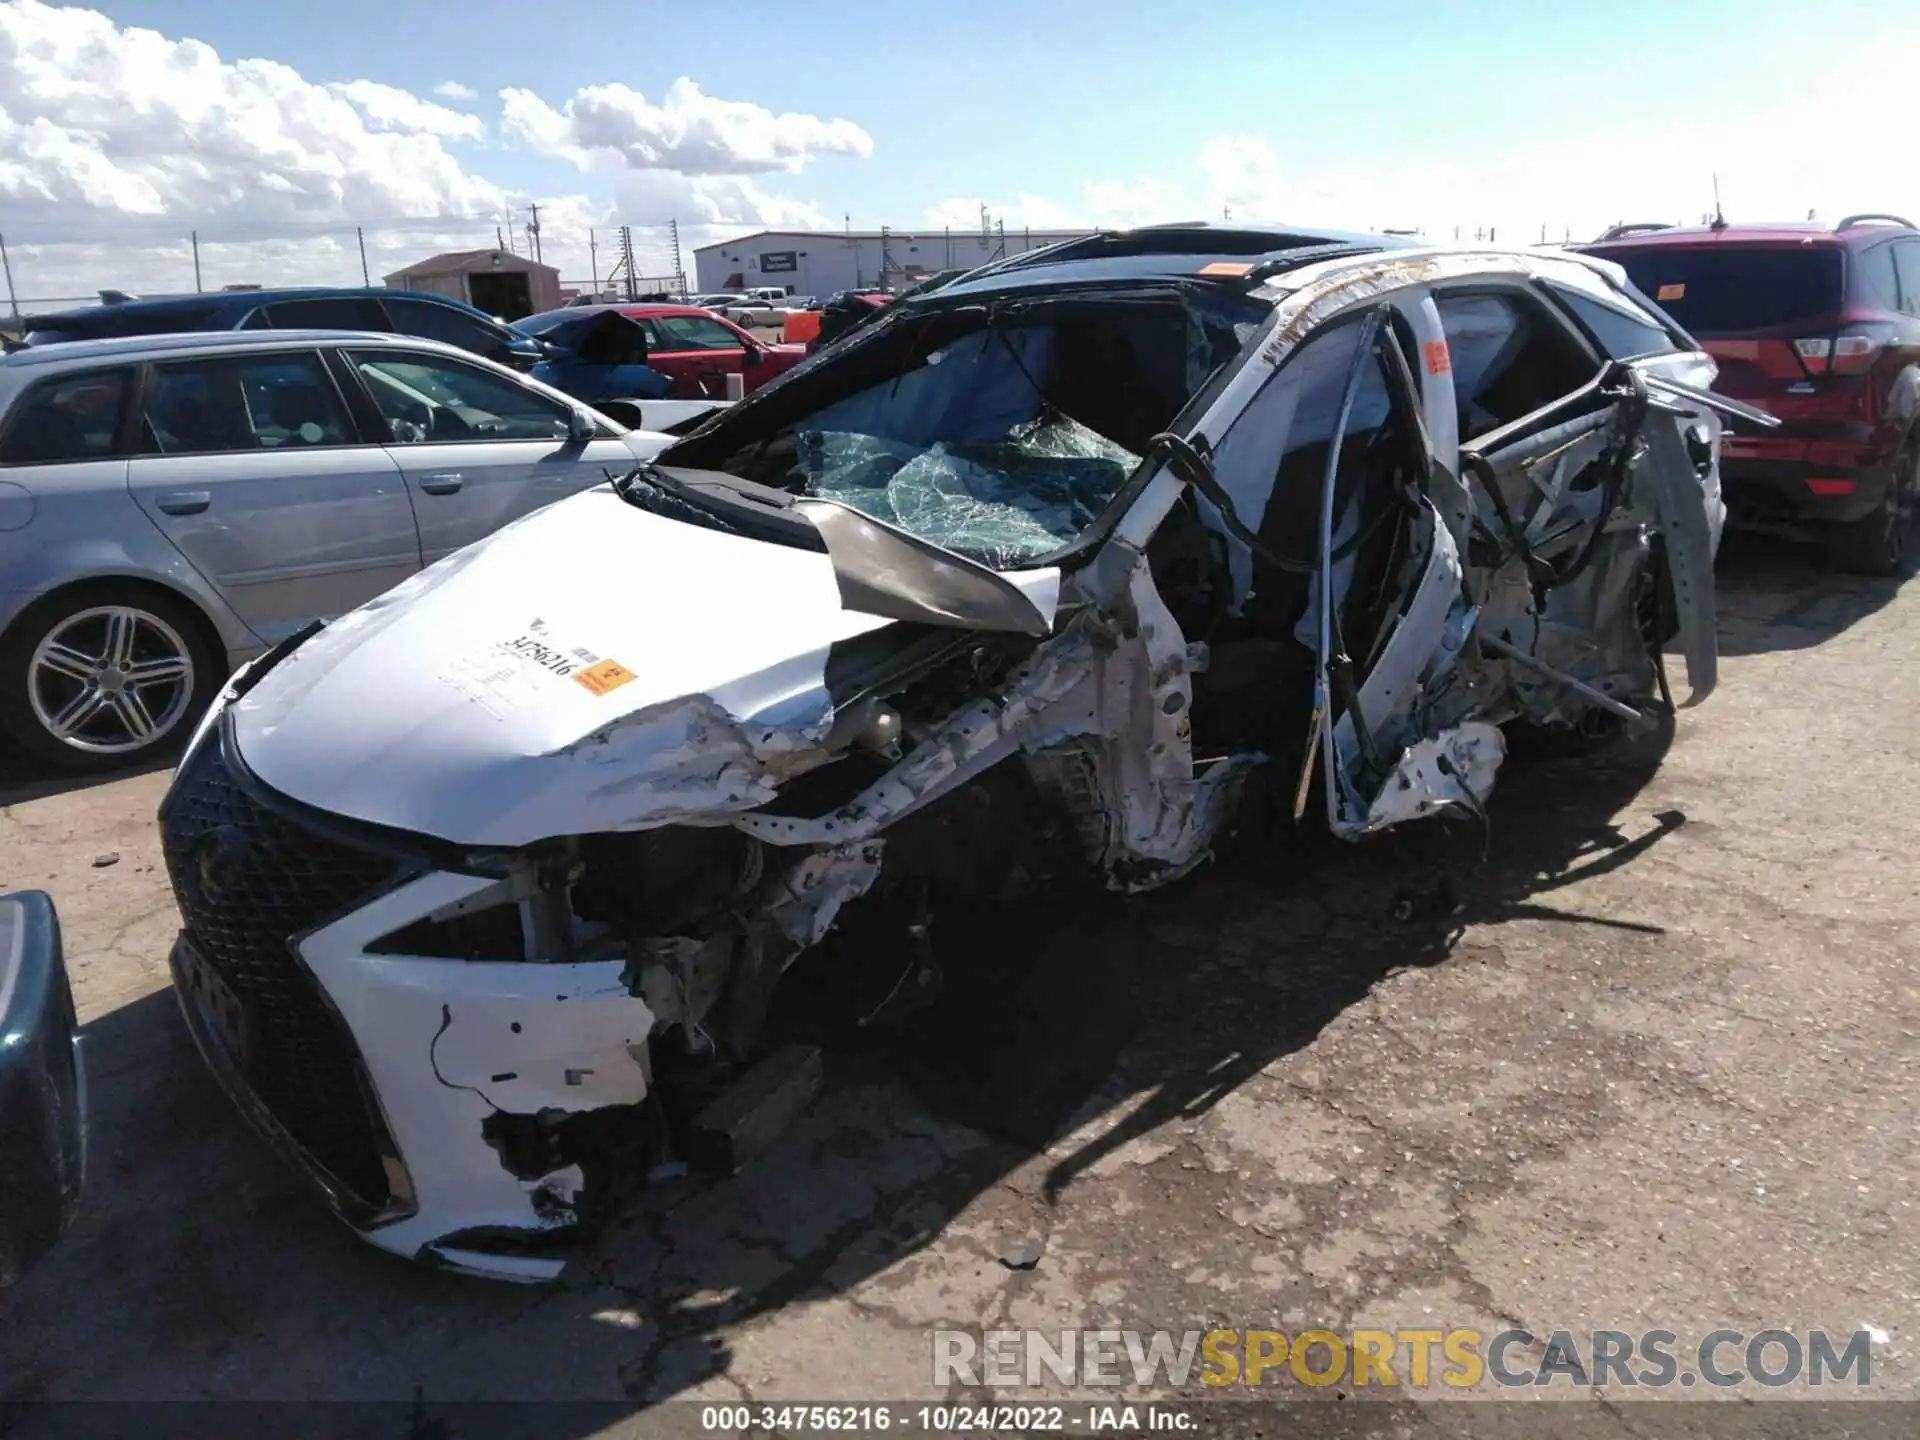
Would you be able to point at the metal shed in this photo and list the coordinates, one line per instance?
(497, 281)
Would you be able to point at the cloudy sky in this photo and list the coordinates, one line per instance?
(273, 128)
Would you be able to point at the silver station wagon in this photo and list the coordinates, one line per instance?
(172, 505)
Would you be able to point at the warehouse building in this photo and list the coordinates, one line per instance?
(819, 262)
(499, 282)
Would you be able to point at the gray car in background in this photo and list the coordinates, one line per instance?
(172, 505)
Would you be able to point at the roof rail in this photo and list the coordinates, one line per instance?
(1620, 232)
(1870, 216)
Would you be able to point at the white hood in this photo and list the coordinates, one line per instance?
(591, 667)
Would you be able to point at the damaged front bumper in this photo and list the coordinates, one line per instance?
(418, 1093)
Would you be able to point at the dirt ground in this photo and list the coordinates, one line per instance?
(1660, 1069)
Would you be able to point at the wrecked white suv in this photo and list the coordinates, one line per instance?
(476, 880)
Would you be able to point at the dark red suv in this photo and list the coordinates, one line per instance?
(1820, 325)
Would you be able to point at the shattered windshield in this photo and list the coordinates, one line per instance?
(999, 431)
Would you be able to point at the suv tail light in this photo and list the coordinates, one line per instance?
(1851, 352)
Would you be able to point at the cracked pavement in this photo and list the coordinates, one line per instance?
(1659, 1068)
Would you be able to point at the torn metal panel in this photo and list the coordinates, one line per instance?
(450, 1043)
(811, 893)
(1454, 768)
(883, 570)
(1391, 695)
(1678, 501)
(1032, 709)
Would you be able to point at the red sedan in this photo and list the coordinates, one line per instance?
(698, 350)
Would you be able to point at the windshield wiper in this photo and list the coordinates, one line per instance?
(672, 497)
(653, 475)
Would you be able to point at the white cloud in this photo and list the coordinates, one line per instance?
(1101, 202)
(1239, 171)
(110, 132)
(117, 143)
(653, 197)
(689, 131)
(386, 107)
(1775, 162)
(1035, 212)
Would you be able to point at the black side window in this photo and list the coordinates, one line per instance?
(74, 417)
(445, 324)
(1616, 332)
(341, 312)
(1907, 260)
(1875, 278)
(1509, 359)
(253, 402)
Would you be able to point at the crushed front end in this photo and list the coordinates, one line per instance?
(489, 886)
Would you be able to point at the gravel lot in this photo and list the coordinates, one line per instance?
(1661, 1069)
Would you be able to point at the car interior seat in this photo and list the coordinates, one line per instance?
(301, 410)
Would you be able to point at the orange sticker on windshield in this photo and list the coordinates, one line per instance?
(604, 676)
(1226, 267)
(1439, 362)
(1672, 292)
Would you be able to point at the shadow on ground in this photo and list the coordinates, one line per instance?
(200, 1269)
(22, 780)
(1776, 594)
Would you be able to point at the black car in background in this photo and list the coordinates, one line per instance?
(396, 312)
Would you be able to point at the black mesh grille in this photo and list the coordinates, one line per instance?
(248, 879)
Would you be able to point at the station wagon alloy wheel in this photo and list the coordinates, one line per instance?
(111, 680)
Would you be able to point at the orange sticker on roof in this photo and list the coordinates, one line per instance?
(1439, 362)
(604, 676)
(1227, 267)
(1672, 292)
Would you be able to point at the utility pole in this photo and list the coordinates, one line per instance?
(626, 262)
(533, 230)
(593, 262)
(7, 265)
(361, 236)
(196, 261)
(679, 266)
